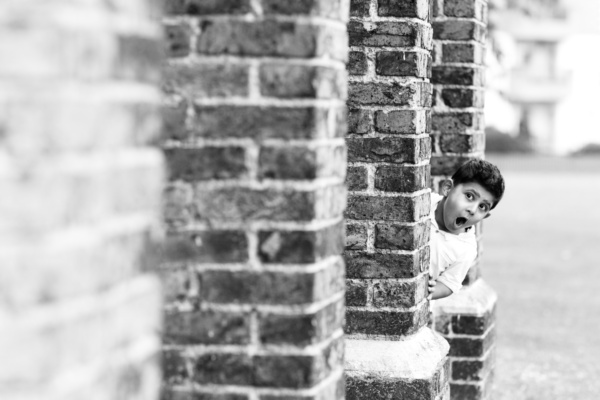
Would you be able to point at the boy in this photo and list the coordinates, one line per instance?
(468, 197)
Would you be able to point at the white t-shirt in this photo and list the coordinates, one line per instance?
(451, 255)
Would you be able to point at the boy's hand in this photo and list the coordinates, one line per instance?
(432, 283)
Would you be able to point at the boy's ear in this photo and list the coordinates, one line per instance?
(487, 215)
(447, 185)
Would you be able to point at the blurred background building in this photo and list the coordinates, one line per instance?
(543, 75)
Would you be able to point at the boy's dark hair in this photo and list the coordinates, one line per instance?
(483, 172)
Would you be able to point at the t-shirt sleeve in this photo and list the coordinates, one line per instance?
(454, 275)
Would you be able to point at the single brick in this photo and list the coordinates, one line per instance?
(177, 39)
(387, 208)
(205, 163)
(398, 293)
(297, 371)
(174, 116)
(359, 8)
(299, 162)
(223, 369)
(475, 370)
(178, 207)
(300, 246)
(402, 63)
(204, 7)
(271, 38)
(402, 121)
(462, 98)
(402, 178)
(363, 265)
(241, 203)
(390, 34)
(259, 122)
(386, 322)
(335, 9)
(305, 81)
(206, 80)
(464, 391)
(396, 150)
(401, 237)
(462, 122)
(406, 8)
(206, 327)
(458, 30)
(462, 53)
(462, 143)
(270, 287)
(356, 292)
(174, 367)
(459, 8)
(470, 347)
(303, 329)
(222, 246)
(447, 165)
(466, 76)
(415, 94)
(356, 178)
(357, 63)
(359, 121)
(356, 237)
(472, 324)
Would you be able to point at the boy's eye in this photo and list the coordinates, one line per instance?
(483, 207)
(469, 196)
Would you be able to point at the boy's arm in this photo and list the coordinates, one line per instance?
(437, 290)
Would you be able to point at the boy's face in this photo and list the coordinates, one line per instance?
(465, 205)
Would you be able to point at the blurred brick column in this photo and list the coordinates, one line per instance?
(254, 139)
(390, 351)
(466, 319)
(79, 103)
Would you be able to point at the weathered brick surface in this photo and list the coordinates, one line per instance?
(254, 278)
(82, 182)
(389, 148)
(459, 29)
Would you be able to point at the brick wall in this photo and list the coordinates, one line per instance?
(390, 350)
(466, 319)
(255, 120)
(80, 195)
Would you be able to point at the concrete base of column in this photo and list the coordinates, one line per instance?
(416, 367)
(467, 320)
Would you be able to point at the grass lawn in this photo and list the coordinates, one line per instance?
(542, 256)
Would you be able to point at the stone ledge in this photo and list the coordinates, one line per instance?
(417, 357)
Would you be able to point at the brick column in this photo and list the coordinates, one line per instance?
(79, 103)
(254, 138)
(390, 351)
(466, 319)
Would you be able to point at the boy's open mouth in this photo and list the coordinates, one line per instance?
(460, 221)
